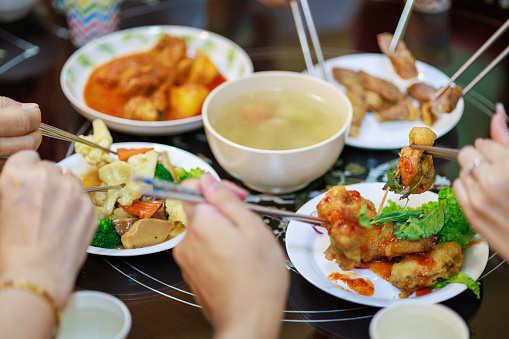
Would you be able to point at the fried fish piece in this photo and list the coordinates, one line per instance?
(383, 87)
(401, 59)
(422, 270)
(359, 111)
(402, 110)
(421, 92)
(447, 102)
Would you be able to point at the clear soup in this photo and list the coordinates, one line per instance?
(277, 119)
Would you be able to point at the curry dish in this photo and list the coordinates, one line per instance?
(163, 83)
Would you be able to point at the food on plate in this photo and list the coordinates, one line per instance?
(277, 119)
(127, 219)
(163, 83)
(415, 173)
(419, 249)
(401, 59)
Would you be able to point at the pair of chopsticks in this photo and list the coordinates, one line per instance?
(168, 190)
(488, 68)
(297, 18)
(439, 152)
(57, 133)
(93, 189)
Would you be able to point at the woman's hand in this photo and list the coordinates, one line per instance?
(482, 188)
(19, 126)
(233, 263)
(46, 225)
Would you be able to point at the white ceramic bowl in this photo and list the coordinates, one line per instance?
(11, 10)
(279, 171)
(231, 60)
(92, 314)
(417, 320)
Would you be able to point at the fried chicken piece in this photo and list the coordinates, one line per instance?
(421, 91)
(359, 111)
(414, 164)
(401, 59)
(352, 244)
(169, 51)
(422, 270)
(427, 114)
(402, 110)
(383, 87)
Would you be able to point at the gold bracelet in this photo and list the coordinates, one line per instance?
(23, 284)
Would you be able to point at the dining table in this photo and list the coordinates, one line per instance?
(35, 48)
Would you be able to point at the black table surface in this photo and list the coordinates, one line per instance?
(151, 285)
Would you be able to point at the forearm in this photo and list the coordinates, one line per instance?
(24, 314)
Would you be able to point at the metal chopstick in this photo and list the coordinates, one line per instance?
(294, 5)
(439, 152)
(57, 133)
(92, 189)
(472, 58)
(168, 190)
(400, 29)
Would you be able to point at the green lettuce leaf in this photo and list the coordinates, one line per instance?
(363, 218)
(424, 226)
(461, 278)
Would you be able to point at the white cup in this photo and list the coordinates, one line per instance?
(417, 320)
(92, 314)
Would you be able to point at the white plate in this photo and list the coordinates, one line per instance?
(392, 134)
(178, 157)
(306, 251)
(231, 61)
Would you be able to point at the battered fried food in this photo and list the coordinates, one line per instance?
(402, 110)
(353, 244)
(416, 167)
(401, 59)
(423, 270)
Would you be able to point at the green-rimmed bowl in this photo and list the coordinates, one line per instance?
(231, 60)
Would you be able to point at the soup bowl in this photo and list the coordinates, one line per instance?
(277, 171)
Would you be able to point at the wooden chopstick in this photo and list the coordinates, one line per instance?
(168, 190)
(92, 189)
(57, 133)
(294, 5)
(472, 58)
(439, 152)
(400, 29)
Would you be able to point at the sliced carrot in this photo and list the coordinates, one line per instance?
(143, 209)
(125, 153)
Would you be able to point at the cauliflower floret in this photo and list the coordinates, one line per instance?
(176, 212)
(101, 136)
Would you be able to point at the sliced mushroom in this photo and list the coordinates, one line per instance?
(146, 232)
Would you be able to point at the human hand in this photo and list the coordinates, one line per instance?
(483, 191)
(19, 126)
(46, 225)
(233, 263)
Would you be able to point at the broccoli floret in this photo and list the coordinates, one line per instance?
(183, 174)
(106, 236)
(162, 173)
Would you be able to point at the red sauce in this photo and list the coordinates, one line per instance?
(475, 242)
(422, 291)
(382, 268)
(360, 285)
(424, 261)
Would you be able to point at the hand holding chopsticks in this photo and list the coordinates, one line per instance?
(167, 190)
(57, 133)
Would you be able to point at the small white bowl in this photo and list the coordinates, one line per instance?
(92, 314)
(11, 10)
(417, 320)
(231, 61)
(280, 171)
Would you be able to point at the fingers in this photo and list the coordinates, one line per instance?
(225, 200)
(23, 158)
(18, 121)
(498, 126)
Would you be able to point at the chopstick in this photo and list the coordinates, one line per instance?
(400, 29)
(439, 152)
(294, 5)
(167, 190)
(471, 60)
(57, 133)
(485, 71)
(92, 189)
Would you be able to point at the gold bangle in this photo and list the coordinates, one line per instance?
(23, 284)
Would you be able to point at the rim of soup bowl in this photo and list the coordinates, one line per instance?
(343, 130)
